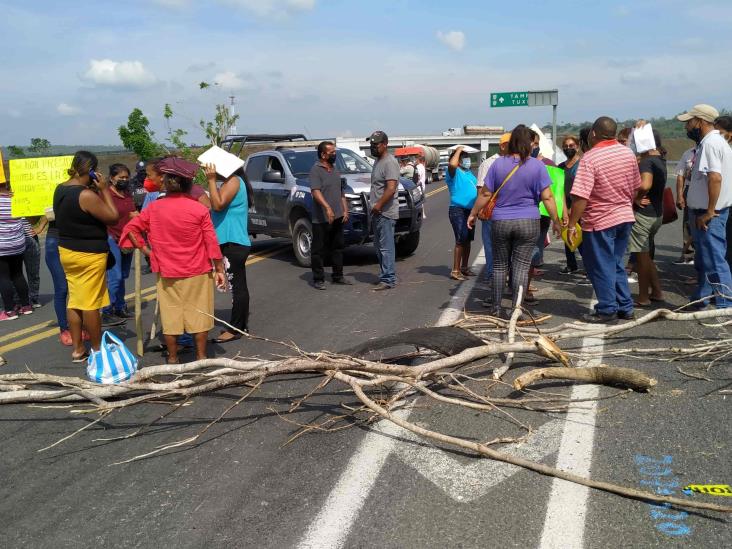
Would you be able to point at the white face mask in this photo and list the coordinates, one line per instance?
(465, 163)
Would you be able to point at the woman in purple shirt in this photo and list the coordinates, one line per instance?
(516, 215)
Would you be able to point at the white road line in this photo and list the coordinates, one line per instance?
(332, 525)
(564, 526)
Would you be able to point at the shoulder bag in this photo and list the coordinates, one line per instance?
(486, 212)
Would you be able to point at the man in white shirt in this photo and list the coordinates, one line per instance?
(486, 225)
(683, 178)
(421, 179)
(709, 200)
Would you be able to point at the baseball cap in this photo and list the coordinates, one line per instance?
(505, 138)
(705, 112)
(378, 137)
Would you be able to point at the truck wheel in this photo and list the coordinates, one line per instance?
(302, 240)
(407, 245)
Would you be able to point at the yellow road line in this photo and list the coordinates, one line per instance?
(255, 258)
(436, 191)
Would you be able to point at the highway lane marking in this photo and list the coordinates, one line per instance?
(437, 190)
(467, 482)
(150, 291)
(564, 525)
(331, 526)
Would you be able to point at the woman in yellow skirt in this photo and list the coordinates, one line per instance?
(83, 208)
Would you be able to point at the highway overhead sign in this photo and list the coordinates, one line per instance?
(510, 99)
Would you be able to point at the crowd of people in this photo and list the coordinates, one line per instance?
(195, 241)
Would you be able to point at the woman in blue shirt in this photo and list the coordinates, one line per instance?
(230, 215)
(462, 185)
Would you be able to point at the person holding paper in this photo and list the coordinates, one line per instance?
(648, 209)
(709, 201)
(330, 214)
(230, 205)
(571, 149)
(12, 246)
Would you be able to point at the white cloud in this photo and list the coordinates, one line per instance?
(455, 40)
(272, 8)
(119, 74)
(231, 81)
(64, 109)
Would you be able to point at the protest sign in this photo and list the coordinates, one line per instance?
(557, 187)
(33, 181)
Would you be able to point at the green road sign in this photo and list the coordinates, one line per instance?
(510, 99)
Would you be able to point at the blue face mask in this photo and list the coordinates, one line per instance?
(535, 152)
(465, 163)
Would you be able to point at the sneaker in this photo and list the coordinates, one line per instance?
(8, 315)
(632, 278)
(599, 318)
(584, 281)
(342, 281)
(25, 310)
(381, 286)
(65, 338)
(568, 271)
(123, 313)
(36, 305)
(111, 320)
(626, 315)
(319, 285)
(680, 261)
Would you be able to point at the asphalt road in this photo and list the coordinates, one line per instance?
(240, 486)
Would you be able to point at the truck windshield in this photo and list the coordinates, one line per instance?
(301, 162)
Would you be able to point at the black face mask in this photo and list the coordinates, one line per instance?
(569, 153)
(375, 150)
(331, 159)
(122, 184)
(535, 152)
(694, 134)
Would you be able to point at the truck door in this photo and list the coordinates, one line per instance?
(256, 166)
(276, 191)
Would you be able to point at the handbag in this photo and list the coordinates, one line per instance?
(669, 207)
(486, 212)
(112, 363)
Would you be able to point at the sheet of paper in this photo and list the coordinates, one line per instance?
(225, 162)
(34, 181)
(643, 139)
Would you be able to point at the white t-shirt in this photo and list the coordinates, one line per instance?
(422, 175)
(715, 155)
(683, 168)
(484, 167)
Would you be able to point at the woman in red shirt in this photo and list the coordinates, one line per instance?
(183, 247)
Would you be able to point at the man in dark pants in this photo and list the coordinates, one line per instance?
(330, 213)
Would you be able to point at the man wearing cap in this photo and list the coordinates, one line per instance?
(709, 200)
(384, 208)
(486, 224)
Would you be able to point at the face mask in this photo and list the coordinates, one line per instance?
(375, 150)
(122, 184)
(535, 152)
(694, 134)
(332, 159)
(465, 163)
(150, 185)
(569, 153)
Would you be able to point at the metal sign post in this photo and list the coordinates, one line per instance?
(536, 98)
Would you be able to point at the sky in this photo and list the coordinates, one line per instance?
(74, 70)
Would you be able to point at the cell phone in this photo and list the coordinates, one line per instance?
(93, 176)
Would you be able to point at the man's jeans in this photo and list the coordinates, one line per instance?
(712, 269)
(603, 253)
(487, 249)
(116, 277)
(385, 248)
(60, 287)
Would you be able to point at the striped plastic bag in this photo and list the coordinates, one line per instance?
(112, 363)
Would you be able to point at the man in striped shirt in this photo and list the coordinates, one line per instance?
(602, 198)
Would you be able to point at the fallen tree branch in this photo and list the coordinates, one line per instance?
(602, 375)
